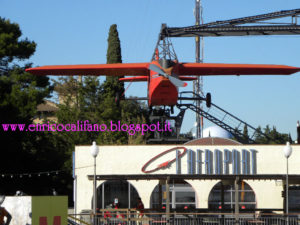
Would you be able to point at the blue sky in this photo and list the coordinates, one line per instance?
(75, 32)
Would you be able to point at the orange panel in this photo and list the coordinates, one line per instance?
(118, 69)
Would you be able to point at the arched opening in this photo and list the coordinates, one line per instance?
(182, 196)
(125, 192)
(294, 199)
(222, 196)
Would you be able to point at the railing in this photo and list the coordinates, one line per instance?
(220, 117)
(133, 217)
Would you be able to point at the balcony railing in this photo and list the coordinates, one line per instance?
(133, 217)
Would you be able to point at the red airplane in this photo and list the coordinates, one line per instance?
(163, 76)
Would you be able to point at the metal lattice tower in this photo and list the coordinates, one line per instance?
(198, 84)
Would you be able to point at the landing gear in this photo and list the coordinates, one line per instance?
(162, 116)
(208, 100)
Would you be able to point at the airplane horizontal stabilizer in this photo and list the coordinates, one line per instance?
(134, 79)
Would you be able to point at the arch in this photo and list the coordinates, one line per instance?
(293, 201)
(182, 195)
(226, 190)
(124, 191)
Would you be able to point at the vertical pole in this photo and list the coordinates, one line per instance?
(197, 82)
(129, 206)
(75, 196)
(197, 17)
(236, 195)
(74, 184)
(287, 190)
(168, 200)
(160, 194)
(173, 197)
(298, 131)
(103, 194)
(222, 201)
(222, 195)
(95, 194)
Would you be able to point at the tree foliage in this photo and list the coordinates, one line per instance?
(271, 136)
(113, 90)
(86, 99)
(11, 48)
(245, 135)
(112, 85)
(95, 102)
(20, 93)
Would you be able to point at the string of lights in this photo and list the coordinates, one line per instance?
(30, 175)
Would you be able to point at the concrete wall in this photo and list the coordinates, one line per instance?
(130, 159)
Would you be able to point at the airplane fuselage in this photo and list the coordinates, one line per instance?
(160, 90)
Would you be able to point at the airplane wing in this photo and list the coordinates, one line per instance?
(117, 69)
(207, 69)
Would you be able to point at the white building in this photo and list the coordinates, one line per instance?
(200, 162)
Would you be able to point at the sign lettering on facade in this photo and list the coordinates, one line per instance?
(207, 161)
(221, 162)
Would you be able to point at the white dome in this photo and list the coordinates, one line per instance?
(215, 131)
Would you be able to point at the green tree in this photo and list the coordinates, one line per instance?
(79, 102)
(112, 86)
(259, 136)
(290, 138)
(11, 48)
(245, 135)
(113, 90)
(89, 100)
(95, 102)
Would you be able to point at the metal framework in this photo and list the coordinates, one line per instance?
(233, 27)
(164, 47)
(244, 26)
